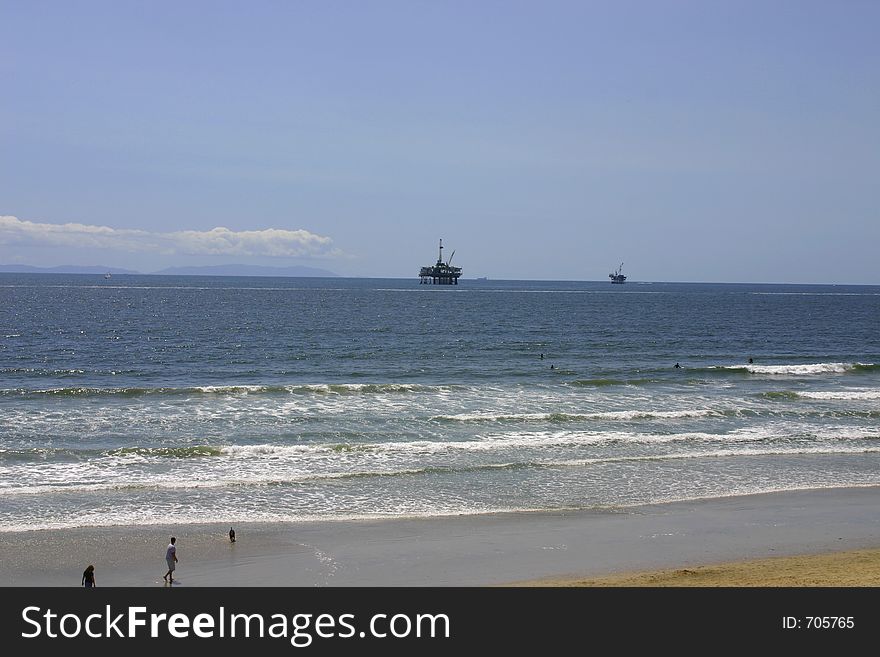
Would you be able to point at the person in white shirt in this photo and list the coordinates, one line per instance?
(171, 560)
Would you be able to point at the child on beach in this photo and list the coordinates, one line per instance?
(88, 578)
(171, 560)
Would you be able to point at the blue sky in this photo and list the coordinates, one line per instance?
(693, 141)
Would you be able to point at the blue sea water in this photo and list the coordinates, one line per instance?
(153, 399)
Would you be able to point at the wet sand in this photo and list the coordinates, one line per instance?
(577, 548)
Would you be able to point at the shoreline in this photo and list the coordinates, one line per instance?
(643, 546)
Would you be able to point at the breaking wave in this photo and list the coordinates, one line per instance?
(805, 369)
(231, 390)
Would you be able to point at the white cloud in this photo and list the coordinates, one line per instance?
(277, 242)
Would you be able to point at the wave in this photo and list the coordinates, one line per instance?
(43, 454)
(168, 452)
(744, 369)
(722, 453)
(231, 390)
(486, 444)
(40, 371)
(66, 455)
(601, 383)
(259, 479)
(849, 395)
(632, 416)
(272, 516)
(780, 394)
(843, 395)
(574, 417)
(804, 369)
(262, 479)
(546, 439)
(524, 440)
(126, 392)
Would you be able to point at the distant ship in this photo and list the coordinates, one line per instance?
(107, 275)
(617, 277)
(441, 273)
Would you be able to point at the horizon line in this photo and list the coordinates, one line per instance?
(44, 271)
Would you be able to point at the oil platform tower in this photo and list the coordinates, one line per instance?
(441, 273)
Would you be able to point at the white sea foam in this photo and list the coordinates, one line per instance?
(173, 482)
(609, 415)
(841, 394)
(797, 370)
(144, 517)
(231, 389)
(232, 466)
(721, 453)
(545, 439)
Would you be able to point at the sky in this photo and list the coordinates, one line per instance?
(717, 141)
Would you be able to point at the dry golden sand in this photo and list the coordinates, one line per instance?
(853, 568)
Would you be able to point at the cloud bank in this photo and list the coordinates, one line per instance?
(275, 242)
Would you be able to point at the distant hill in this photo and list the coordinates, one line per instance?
(244, 270)
(64, 269)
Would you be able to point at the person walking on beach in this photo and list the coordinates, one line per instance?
(88, 579)
(231, 535)
(171, 560)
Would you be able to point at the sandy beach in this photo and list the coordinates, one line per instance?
(850, 568)
(798, 538)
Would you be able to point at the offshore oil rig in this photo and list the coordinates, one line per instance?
(441, 273)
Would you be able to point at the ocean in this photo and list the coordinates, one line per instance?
(157, 400)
